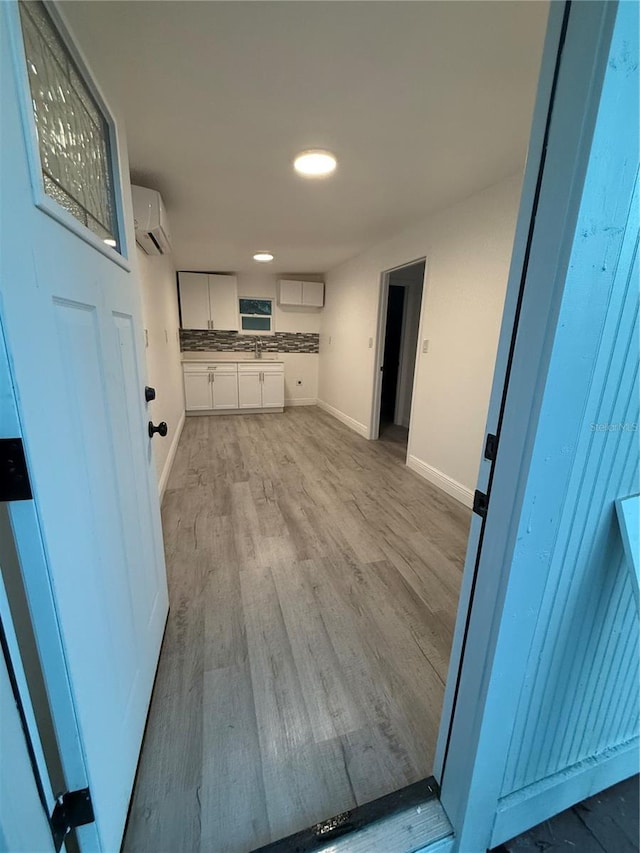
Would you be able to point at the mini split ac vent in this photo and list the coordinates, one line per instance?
(150, 221)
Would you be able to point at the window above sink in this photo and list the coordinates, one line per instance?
(256, 315)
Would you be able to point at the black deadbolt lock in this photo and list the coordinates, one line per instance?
(162, 429)
(149, 393)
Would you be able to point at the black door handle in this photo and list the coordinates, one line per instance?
(149, 393)
(162, 429)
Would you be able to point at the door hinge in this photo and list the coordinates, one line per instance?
(14, 477)
(491, 447)
(72, 809)
(480, 503)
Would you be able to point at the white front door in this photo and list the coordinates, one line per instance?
(71, 319)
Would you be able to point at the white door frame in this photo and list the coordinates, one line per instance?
(383, 300)
(479, 699)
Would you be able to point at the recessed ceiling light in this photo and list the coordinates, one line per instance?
(263, 257)
(315, 163)
(111, 242)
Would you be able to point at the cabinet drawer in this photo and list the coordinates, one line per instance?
(223, 368)
(192, 367)
(207, 366)
(261, 367)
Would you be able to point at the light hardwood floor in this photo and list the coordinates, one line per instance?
(313, 588)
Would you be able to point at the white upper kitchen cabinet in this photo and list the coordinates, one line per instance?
(308, 294)
(194, 300)
(290, 292)
(313, 294)
(223, 301)
(208, 301)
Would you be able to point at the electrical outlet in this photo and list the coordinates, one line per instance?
(166, 336)
(146, 337)
(425, 346)
(370, 343)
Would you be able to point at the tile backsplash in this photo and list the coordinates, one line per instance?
(202, 340)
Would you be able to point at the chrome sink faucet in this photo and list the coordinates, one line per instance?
(258, 349)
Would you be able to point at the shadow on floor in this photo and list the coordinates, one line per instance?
(605, 823)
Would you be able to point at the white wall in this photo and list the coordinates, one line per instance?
(301, 367)
(468, 250)
(162, 355)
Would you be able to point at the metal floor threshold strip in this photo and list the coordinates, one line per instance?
(404, 821)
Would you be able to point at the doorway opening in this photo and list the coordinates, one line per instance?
(400, 310)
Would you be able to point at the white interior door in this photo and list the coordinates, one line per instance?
(71, 318)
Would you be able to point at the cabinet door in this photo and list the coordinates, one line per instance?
(194, 300)
(290, 292)
(223, 299)
(249, 389)
(313, 293)
(225, 389)
(197, 391)
(273, 389)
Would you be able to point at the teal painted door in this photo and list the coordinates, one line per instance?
(547, 700)
(71, 319)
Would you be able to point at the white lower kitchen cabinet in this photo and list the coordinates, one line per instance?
(233, 387)
(249, 388)
(261, 386)
(210, 387)
(273, 388)
(197, 390)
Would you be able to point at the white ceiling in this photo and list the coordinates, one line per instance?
(423, 103)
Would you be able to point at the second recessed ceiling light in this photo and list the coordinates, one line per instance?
(263, 257)
(315, 163)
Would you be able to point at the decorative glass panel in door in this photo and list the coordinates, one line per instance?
(73, 132)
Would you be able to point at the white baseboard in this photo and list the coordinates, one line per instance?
(301, 401)
(536, 803)
(442, 481)
(353, 424)
(168, 463)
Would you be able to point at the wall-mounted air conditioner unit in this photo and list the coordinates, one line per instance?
(150, 220)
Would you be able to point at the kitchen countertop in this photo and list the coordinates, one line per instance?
(228, 356)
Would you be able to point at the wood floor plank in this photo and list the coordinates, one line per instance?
(313, 584)
(287, 744)
(330, 702)
(231, 767)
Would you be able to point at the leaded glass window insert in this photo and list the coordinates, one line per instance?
(73, 132)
